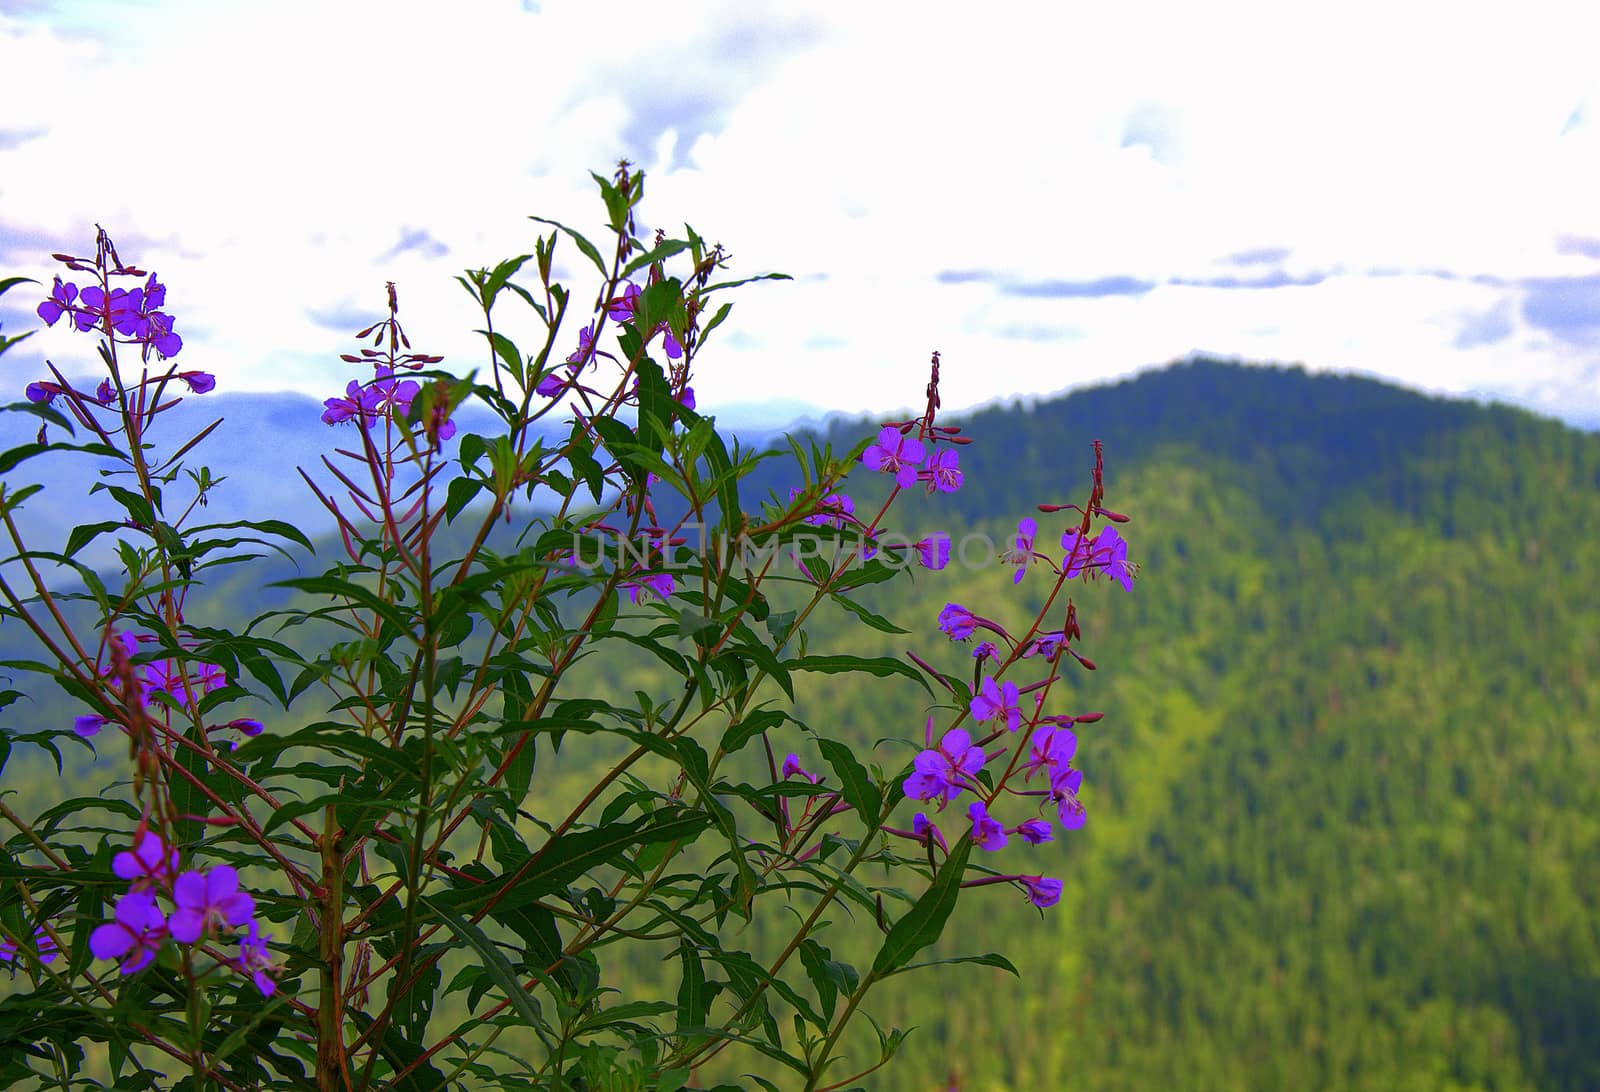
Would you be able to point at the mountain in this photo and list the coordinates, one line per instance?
(1344, 806)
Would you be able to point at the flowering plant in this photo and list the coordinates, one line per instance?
(301, 894)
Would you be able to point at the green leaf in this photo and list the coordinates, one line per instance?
(694, 1001)
(881, 666)
(660, 253)
(494, 960)
(333, 586)
(563, 859)
(855, 784)
(583, 244)
(988, 959)
(502, 273)
(754, 723)
(876, 621)
(924, 922)
(656, 406)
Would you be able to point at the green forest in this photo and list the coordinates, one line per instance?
(1344, 807)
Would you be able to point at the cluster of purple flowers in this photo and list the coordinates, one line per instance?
(896, 452)
(1046, 744)
(205, 905)
(132, 312)
(44, 946)
(177, 680)
(622, 308)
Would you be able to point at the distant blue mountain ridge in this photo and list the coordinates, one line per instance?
(257, 448)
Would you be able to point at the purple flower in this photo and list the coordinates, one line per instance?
(987, 831)
(105, 393)
(944, 471)
(941, 774)
(553, 384)
(149, 862)
(255, 960)
(342, 409)
(1046, 645)
(61, 298)
(1050, 749)
(1043, 891)
(895, 454)
(934, 551)
(1035, 831)
(670, 345)
(1106, 552)
(157, 333)
(927, 832)
(687, 398)
(207, 902)
(985, 650)
(585, 348)
(957, 621)
(134, 934)
(381, 397)
(833, 510)
(199, 382)
(621, 307)
(792, 768)
(43, 943)
(173, 678)
(996, 700)
(661, 584)
(1022, 552)
(89, 724)
(1064, 785)
(44, 392)
(155, 294)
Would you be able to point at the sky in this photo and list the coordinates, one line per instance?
(1051, 195)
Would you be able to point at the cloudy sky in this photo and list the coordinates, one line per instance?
(1050, 194)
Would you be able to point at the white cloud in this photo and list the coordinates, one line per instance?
(268, 154)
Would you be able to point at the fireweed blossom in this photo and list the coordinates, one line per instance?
(255, 960)
(943, 473)
(1064, 785)
(927, 832)
(207, 902)
(621, 307)
(149, 863)
(987, 831)
(1034, 831)
(998, 700)
(895, 454)
(1043, 891)
(134, 935)
(833, 510)
(585, 349)
(1021, 552)
(957, 622)
(1106, 552)
(933, 552)
(44, 947)
(62, 297)
(659, 584)
(941, 773)
(1050, 750)
(89, 724)
(792, 768)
